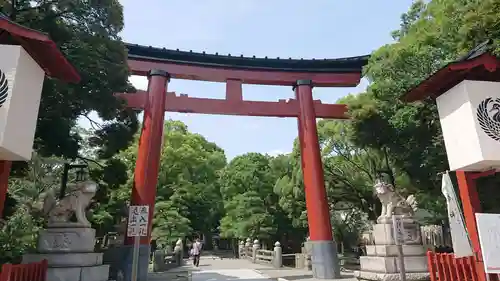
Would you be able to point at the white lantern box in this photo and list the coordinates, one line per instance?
(21, 81)
(470, 121)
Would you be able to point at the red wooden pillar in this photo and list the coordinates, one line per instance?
(324, 254)
(301, 145)
(4, 183)
(471, 205)
(301, 138)
(148, 155)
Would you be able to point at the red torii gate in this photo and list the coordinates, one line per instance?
(159, 65)
(46, 53)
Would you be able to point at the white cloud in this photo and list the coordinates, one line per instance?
(139, 82)
(276, 152)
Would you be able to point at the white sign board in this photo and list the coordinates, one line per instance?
(470, 120)
(398, 229)
(488, 227)
(21, 81)
(138, 220)
(459, 235)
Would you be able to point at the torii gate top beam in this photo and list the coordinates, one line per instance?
(239, 70)
(340, 72)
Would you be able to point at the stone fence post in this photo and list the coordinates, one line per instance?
(308, 254)
(158, 260)
(241, 249)
(278, 255)
(248, 247)
(178, 252)
(255, 247)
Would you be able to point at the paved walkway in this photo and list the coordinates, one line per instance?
(213, 268)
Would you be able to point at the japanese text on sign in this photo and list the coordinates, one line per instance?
(138, 220)
(399, 232)
(488, 227)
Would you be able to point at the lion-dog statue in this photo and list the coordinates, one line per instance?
(393, 203)
(61, 211)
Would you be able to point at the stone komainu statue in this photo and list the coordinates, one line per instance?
(60, 212)
(393, 203)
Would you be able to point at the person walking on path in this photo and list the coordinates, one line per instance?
(196, 251)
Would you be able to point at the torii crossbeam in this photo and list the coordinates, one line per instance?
(235, 106)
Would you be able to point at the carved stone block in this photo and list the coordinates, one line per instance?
(392, 250)
(383, 234)
(63, 240)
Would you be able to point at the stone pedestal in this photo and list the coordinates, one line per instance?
(70, 255)
(123, 262)
(381, 261)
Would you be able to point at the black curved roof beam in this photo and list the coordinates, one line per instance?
(250, 70)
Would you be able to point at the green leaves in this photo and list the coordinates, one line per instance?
(17, 235)
(246, 215)
(247, 184)
(430, 36)
(168, 223)
(188, 193)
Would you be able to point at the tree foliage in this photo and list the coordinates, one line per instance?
(188, 194)
(247, 190)
(431, 35)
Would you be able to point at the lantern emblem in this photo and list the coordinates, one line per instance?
(488, 115)
(4, 88)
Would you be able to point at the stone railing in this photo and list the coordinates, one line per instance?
(253, 252)
(164, 260)
(264, 256)
(250, 251)
(347, 261)
(432, 236)
(435, 236)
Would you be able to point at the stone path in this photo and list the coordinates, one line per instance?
(213, 268)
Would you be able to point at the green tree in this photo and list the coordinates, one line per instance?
(168, 224)
(348, 225)
(18, 235)
(290, 189)
(18, 232)
(247, 187)
(188, 189)
(432, 33)
(246, 215)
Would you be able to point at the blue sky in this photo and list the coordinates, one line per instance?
(277, 28)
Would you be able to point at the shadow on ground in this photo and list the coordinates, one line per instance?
(291, 274)
(197, 274)
(215, 268)
(229, 254)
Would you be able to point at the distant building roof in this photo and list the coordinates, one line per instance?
(40, 47)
